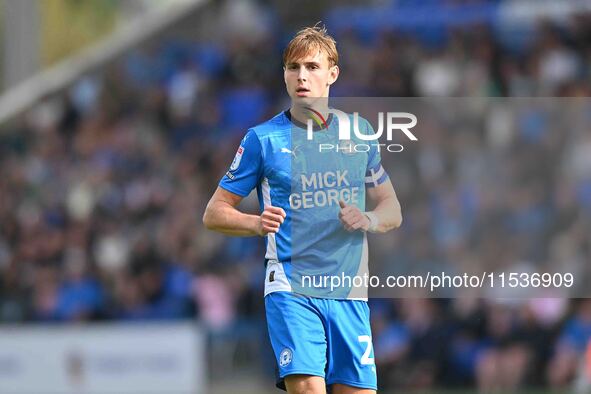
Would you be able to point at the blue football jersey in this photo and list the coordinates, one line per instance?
(308, 178)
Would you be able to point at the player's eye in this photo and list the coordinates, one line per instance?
(313, 66)
(292, 66)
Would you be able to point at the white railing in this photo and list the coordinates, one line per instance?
(133, 32)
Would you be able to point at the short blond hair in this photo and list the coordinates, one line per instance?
(309, 39)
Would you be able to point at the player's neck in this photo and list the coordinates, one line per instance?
(301, 114)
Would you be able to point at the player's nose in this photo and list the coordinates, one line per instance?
(302, 74)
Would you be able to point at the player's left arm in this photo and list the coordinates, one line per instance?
(386, 215)
(387, 211)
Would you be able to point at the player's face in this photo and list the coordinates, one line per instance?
(309, 77)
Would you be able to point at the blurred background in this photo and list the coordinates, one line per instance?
(118, 118)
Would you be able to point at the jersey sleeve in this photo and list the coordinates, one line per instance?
(246, 170)
(375, 174)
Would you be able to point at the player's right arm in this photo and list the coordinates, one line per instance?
(222, 215)
(244, 174)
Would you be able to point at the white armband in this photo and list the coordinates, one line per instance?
(373, 222)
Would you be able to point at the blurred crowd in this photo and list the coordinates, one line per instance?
(103, 185)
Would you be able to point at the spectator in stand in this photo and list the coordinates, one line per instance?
(125, 158)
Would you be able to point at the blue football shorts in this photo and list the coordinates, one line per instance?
(322, 337)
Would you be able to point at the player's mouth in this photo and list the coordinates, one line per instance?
(302, 92)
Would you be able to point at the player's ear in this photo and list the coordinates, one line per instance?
(333, 74)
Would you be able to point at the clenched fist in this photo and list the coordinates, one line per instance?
(270, 220)
(352, 218)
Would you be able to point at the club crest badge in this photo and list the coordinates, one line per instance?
(285, 357)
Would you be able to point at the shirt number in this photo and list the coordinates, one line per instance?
(365, 359)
